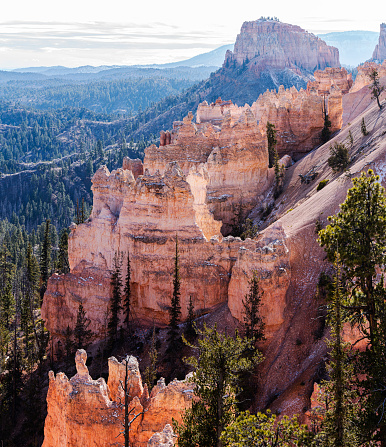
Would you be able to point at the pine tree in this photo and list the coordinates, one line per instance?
(338, 423)
(217, 369)
(253, 322)
(45, 259)
(326, 132)
(151, 370)
(272, 141)
(127, 294)
(175, 308)
(115, 302)
(190, 330)
(82, 334)
(68, 342)
(63, 265)
(363, 128)
(375, 87)
(358, 235)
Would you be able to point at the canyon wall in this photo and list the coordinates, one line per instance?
(208, 175)
(86, 412)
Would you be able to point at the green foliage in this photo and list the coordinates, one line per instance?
(175, 306)
(190, 331)
(272, 141)
(250, 230)
(375, 87)
(127, 294)
(252, 320)
(151, 371)
(218, 366)
(279, 176)
(115, 301)
(364, 128)
(322, 184)
(338, 426)
(339, 157)
(82, 334)
(326, 132)
(264, 429)
(63, 265)
(358, 235)
(45, 259)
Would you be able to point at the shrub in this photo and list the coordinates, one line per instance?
(339, 157)
(322, 184)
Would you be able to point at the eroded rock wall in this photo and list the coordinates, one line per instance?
(86, 412)
(270, 43)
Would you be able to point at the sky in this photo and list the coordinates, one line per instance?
(126, 32)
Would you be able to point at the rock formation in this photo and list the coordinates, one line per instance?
(162, 439)
(329, 78)
(270, 43)
(379, 54)
(87, 412)
(363, 76)
(298, 117)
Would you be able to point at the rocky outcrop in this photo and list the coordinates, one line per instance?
(87, 412)
(270, 43)
(331, 78)
(163, 439)
(379, 54)
(226, 147)
(363, 77)
(298, 117)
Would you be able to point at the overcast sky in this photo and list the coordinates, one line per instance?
(125, 32)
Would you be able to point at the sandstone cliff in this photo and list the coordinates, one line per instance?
(379, 54)
(269, 43)
(86, 412)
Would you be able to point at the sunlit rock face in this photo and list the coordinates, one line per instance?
(86, 412)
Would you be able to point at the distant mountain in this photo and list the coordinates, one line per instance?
(355, 47)
(214, 58)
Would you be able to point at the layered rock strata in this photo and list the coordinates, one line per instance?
(87, 412)
(379, 54)
(269, 43)
(226, 147)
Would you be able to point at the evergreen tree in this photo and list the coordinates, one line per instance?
(326, 132)
(376, 87)
(82, 334)
(127, 294)
(272, 141)
(217, 368)
(45, 259)
(358, 235)
(339, 157)
(63, 265)
(338, 422)
(175, 308)
(151, 370)
(190, 330)
(363, 128)
(115, 302)
(68, 342)
(253, 322)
